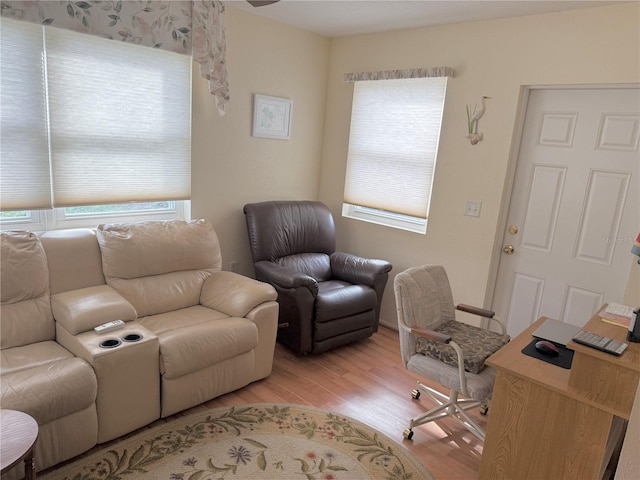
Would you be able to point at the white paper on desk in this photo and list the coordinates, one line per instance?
(620, 310)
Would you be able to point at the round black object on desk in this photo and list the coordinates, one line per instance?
(563, 360)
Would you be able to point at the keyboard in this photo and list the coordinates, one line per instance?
(604, 344)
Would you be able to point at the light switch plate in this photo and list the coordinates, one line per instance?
(472, 208)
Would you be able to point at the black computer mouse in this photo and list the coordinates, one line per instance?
(547, 348)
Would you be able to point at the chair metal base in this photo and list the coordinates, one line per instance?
(451, 406)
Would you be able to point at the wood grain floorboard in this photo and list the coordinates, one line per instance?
(365, 381)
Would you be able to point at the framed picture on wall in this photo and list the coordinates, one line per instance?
(271, 117)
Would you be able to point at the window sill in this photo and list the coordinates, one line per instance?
(56, 219)
(387, 219)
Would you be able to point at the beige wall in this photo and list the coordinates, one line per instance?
(230, 167)
(493, 58)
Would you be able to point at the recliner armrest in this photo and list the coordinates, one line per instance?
(358, 270)
(235, 295)
(284, 277)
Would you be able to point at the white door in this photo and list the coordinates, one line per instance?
(574, 212)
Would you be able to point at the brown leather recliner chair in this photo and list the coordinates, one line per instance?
(326, 298)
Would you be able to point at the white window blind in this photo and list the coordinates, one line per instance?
(24, 150)
(119, 118)
(393, 143)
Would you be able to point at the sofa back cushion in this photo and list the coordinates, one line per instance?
(25, 307)
(159, 266)
(74, 259)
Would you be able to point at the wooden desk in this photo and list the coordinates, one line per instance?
(547, 422)
(18, 435)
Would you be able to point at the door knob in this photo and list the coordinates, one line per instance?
(508, 250)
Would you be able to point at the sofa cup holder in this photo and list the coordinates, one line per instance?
(110, 343)
(132, 337)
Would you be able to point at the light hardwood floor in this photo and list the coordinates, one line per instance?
(366, 381)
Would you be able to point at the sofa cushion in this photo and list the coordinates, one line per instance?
(29, 356)
(25, 309)
(195, 338)
(51, 390)
(74, 260)
(165, 322)
(142, 249)
(477, 344)
(159, 266)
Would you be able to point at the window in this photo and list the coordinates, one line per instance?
(393, 144)
(90, 121)
(90, 216)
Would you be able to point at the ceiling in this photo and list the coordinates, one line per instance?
(334, 18)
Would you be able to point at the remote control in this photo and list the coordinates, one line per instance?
(598, 342)
(107, 327)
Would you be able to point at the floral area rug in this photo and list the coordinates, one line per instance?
(260, 441)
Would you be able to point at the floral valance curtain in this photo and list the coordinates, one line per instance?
(399, 74)
(187, 27)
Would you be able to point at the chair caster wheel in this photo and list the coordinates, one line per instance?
(408, 433)
(415, 394)
(484, 409)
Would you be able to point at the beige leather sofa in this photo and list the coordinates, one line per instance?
(37, 375)
(192, 332)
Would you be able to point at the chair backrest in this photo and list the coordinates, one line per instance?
(424, 299)
(25, 311)
(281, 228)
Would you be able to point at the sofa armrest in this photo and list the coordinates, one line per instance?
(235, 295)
(283, 277)
(358, 270)
(85, 308)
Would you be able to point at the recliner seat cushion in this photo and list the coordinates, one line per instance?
(198, 337)
(477, 344)
(30, 356)
(51, 390)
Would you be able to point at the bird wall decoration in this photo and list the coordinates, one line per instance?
(472, 120)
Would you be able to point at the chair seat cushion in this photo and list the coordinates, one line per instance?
(476, 343)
